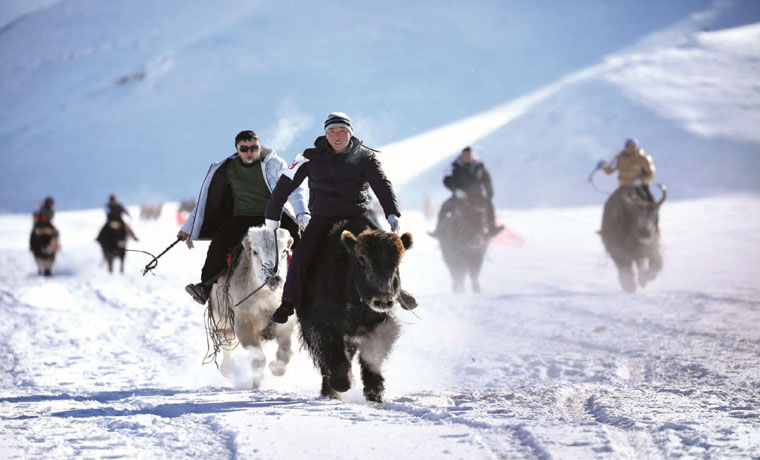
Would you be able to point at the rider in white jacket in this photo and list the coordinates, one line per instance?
(233, 198)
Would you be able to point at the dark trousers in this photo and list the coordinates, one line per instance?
(304, 254)
(644, 192)
(229, 233)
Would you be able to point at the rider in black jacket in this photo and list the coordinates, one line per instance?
(469, 179)
(340, 169)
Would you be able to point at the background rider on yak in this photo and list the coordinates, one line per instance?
(115, 218)
(339, 169)
(233, 198)
(635, 169)
(469, 179)
(44, 240)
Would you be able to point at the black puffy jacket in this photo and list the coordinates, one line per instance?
(471, 177)
(338, 182)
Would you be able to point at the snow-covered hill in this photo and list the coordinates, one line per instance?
(550, 361)
(691, 101)
(137, 97)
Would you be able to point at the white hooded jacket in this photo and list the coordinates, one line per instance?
(272, 167)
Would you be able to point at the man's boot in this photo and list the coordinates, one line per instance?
(200, 292)
(282, 313)
(406, 300)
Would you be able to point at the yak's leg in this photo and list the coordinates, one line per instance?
(314, 341)
(655, 263)
(48, 266)
(474, 275)
(327, 391)
(627, 281)
(373, 351)
(228, 365)
(283, 335)
(334, 355)
(457, 276)
(258, 362)
(642, 271)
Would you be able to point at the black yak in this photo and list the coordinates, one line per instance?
(631, 234)
(44, 243)
(348, 296)
(464, 241)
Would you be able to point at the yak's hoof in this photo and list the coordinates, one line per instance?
(373, 395)
(340, 383)
(278, 368)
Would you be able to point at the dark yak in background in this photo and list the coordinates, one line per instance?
(44, 243)
(348, 296)
(631, 235)
(464, 242)
(113, 241)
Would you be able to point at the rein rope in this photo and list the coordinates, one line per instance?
(593, 185)
(274, 271)
(153, 263)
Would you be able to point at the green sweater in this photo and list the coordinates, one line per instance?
(250, 193)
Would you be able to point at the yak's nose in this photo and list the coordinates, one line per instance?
(275, 281)
(382, 303)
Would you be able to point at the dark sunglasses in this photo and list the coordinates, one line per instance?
(245, 148)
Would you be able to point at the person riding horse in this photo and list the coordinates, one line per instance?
(468, 179)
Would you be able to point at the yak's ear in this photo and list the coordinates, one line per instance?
(348, 239)
(407, 240)
(247, 244)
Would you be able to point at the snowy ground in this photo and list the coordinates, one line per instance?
(550, 361)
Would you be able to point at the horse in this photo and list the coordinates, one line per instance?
(346, 307)
(463, 240)
(631, 235)
(243, 300)
(113, 240)
(44, 242)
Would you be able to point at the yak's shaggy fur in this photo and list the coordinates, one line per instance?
(249, 323)
(44, 243)
(348, 296)
(464, 243)
(631, 234)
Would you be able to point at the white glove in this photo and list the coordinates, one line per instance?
(186, 238)
(459, 193)
(303, 221)
(272, 224)
(395, 226)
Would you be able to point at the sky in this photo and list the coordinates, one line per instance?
(139, 97)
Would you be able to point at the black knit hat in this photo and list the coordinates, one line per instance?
(339, 119)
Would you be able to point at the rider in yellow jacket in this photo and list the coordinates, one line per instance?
(635, 168)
